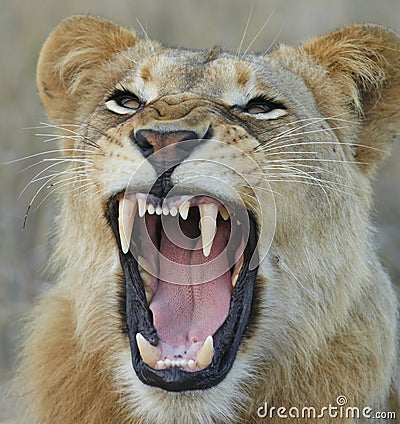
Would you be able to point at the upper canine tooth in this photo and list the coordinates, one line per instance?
(141, 206)
(127, 211)
(224, 213)
(208, 225)
(184, 210)
(149, 353)
(205, 354)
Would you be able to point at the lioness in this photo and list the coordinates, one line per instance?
(216, 256)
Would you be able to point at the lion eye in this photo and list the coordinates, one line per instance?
(265, 108)
(123, 103)
(129, 103)
(255, 109)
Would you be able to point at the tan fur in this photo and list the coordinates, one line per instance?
(327, 314)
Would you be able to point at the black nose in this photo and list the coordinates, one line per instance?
(151, 141)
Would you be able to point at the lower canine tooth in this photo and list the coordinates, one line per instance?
(149, 353)
(205, 354)
(161, 365)
(146, 278)
(237, 269)
(149, 295)
(144, 263)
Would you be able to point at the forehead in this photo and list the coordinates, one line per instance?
(211, 74)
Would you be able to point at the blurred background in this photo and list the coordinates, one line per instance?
(24, 26)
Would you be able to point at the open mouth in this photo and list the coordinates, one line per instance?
(188, 286)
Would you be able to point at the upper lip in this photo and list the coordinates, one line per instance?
(203, 366)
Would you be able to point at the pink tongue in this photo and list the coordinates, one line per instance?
(193, 295)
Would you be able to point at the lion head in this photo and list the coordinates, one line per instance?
(215, 247)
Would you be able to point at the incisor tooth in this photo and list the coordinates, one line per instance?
(158, 210)
(151, 209)
(165, 211)
(173, 211)
(208, 225)
(149, 353)
(161, 365)
(184, 210)
(191, 364)
(205, 354)
(127, 212)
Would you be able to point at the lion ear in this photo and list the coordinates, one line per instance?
(363, 62)
(69, 58)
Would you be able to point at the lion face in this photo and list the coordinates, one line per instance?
(186, 197)
(220, 197)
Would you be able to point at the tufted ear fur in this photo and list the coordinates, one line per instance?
(69, 59)
(354, 72)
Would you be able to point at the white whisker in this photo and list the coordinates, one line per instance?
(47, 152)
(309, 121)
(347, 162)
(146, 35)
(85, 139)
(245, 30)
(271, 45)
(336, 143)
(258, 33)
(39, 174)
(63, 192)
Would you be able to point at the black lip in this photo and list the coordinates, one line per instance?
(226, 340)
